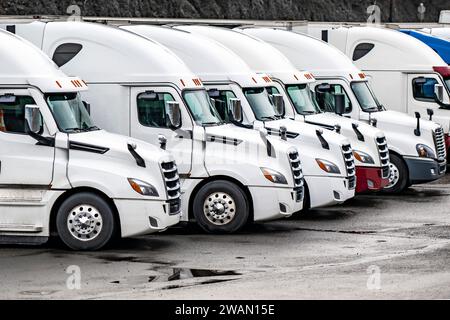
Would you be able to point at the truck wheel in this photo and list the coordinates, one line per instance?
(398, 181)
(221, 207)
(85, 221)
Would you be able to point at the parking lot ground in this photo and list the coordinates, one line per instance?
(374, 246)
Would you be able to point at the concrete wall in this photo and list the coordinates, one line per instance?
(314, 10)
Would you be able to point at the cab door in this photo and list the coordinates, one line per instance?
(26, 167)
(421, 96)
(149, 123)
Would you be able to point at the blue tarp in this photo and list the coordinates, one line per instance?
(441, 46)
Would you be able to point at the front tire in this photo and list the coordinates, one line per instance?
(398, 181)
(85, 221)
(221, 207)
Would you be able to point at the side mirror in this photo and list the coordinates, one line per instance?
(87, 106)
(278, 102)
(339, 103)
(173, 113)
(236, 110)
(439, 92)
(33, 118)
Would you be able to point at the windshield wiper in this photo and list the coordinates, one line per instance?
(212, 123)
(92, 128)
(307, 112)
(270, 118)
(73, 130)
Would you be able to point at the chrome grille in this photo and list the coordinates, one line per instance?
(350, 165)
(297, 173)
(173, 187)
(384, 157)
(439, 141)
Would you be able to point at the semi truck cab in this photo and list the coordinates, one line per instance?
(60, 173)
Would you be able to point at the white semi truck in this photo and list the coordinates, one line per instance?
(417, 147)
(405, 74)
(369, 144)
(60, 174)
(326, 156)
(229, 175)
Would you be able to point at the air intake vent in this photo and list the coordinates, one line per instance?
(350, 165)
(173, 187)
(384, 157)
(297, 173)
(439, 141)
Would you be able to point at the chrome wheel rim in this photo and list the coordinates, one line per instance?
(84, 222)
(219, 208)
(394, 177)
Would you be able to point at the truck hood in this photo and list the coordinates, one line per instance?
(116, 146)
(399, 130)
(367, 144)
(331, 119)
(394, 119)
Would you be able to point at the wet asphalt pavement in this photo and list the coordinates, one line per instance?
(374, 246)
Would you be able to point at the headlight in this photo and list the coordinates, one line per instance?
(144, 188)
(363, 157)
(328, 166)
(274, 176)
(425, 151)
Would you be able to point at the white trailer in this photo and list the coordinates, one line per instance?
(368, 143)
(230, 175)
(397, 63)
(60, 174)
(416, 146)
(326, 156)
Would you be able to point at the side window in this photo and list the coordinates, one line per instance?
(361, 50)
(66, 52)
(12, 113)
(222, 102)
(423, 89)
(151, 108)
(325, 99)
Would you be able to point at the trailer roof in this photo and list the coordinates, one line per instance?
(259, 55)
(112, 55)
(21, 63)
(210, 60)
(306, 52)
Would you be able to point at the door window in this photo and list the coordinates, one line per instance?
(152, 109)
(222, 103)
(423, 89)
(12, 113)
(325, 99)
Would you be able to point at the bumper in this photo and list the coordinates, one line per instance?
(275, 203)
(423, 170)
(370, 179)
(328, 191)
(138, 217)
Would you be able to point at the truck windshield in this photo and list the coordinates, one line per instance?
(365, 97)
(259, 101)
(69, 112)
(447, 83)
(300, 96)
(201, 108)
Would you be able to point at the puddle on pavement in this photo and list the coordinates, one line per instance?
(182, 273)
(173, 274)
